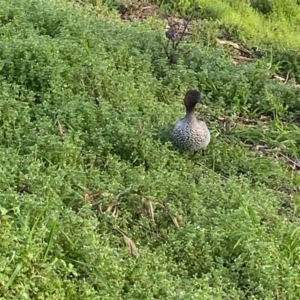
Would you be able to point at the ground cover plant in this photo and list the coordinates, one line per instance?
(96, 203)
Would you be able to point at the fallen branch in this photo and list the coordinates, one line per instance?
(295, 164)
(244, 58)
(234, 45)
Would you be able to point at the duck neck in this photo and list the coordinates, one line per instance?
(190, 113)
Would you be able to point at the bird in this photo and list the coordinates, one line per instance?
(190, 133)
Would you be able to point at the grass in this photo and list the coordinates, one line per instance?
(260, 22)
(97, 203)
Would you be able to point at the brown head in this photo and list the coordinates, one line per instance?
(192, 97)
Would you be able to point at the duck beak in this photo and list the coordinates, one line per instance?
(200, 101)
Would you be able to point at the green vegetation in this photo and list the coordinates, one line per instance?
(88, 171)
(262, 22)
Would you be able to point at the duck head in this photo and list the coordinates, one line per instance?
(192, 97)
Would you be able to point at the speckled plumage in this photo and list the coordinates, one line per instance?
(190, 133)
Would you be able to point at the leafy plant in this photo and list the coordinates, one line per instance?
(96, 201)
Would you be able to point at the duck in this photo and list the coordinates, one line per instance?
(190, 133)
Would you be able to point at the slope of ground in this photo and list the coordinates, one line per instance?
(97, 204)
